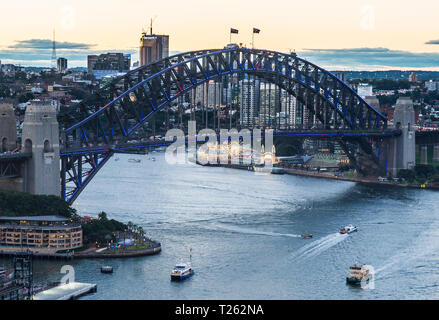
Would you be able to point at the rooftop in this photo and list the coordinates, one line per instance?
(35, 218)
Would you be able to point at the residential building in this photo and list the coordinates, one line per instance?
(44, 234)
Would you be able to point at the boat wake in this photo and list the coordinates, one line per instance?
(253, 231)
(319, 246)
(416, 255)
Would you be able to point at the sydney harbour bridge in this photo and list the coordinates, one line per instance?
(307, 102)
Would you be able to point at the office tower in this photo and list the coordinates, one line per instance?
(108, 64)
(364, 90)
(153, 47)
(61, 64)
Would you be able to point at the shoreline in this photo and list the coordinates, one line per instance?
(328, 176)
(356, 179)
(127, 254)
(92, 254)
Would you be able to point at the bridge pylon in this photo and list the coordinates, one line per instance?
(41, 137)
(8, 128)
(402, 149)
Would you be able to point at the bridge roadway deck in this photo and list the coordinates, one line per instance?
(6, 156)
(316, 134)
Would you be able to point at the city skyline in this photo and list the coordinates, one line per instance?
(341, 35)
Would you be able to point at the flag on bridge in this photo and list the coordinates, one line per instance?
(256, 30)
(234, 30)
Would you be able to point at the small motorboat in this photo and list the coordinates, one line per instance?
(107, 269)
(181, 271)
(348, 229)
(358, 274)
(307, 236)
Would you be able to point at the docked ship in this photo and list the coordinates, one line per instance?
(182, 271)
(6, 278)
(358, 274)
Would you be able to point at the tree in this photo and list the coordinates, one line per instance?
(26, 97)
(408, 175)
(103, 216)
(425, 172)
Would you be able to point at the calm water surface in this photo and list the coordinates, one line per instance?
(244, 230)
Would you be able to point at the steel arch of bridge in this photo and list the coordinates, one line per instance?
(128, 101)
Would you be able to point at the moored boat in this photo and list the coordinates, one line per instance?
(107, 269)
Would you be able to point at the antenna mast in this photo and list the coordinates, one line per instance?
(53, 64)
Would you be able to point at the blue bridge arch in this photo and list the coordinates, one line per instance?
(123, 105)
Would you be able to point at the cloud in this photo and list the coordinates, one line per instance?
(432, 42)
(38, 52)
(45, 44)
(34, 51)
(370, 58)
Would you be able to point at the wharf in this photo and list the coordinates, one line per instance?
(41, 255)
(69, 291)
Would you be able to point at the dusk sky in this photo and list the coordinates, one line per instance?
(338, 34)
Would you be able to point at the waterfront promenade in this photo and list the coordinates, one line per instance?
(154, 248)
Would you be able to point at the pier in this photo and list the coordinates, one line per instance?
(69, 291)
(40, 255)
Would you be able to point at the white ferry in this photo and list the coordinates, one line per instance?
(182, 271)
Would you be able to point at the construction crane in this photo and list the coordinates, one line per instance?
(150, 26)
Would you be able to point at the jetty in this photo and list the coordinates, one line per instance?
(69, 291)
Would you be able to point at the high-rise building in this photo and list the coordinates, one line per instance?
(341, 76)
(61, 64)
(108, 64)
(214, 94)
(364, 90)
(91, 60)
(431, 85)
(249, 109)
(413, 77)
(153, 47)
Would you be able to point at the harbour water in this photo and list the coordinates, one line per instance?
(244, 230)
